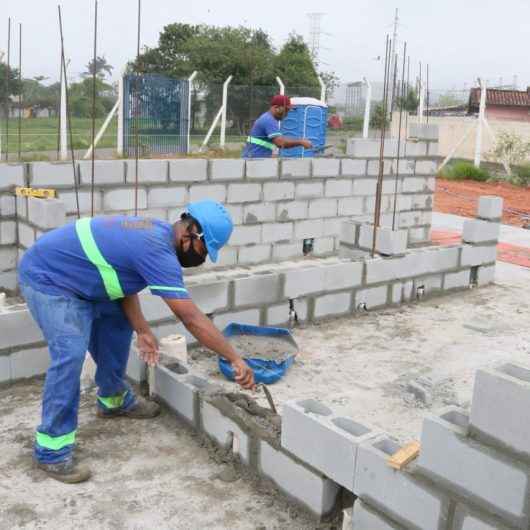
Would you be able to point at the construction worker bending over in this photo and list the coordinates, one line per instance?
(266, 134)
(81, 283)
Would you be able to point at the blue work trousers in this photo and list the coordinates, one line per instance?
(71, 327)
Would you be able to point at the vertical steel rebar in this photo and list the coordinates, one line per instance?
(21, 93)
(94, 85)
(408, 111)
(427, 94)
(68, 115)
(59, 110)
(399, 134)
(137, 110)
(7, 86)
(377, 214)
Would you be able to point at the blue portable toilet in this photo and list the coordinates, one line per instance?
(308, 118)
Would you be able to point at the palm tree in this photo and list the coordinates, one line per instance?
(102, 68)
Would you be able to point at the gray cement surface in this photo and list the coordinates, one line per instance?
(147, 474)
(370, 367)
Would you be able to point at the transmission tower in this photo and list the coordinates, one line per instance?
(315, 35)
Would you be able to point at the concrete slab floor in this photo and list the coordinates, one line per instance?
(370, 367)
(147, 474)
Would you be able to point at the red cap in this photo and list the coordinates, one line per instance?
(281, 101)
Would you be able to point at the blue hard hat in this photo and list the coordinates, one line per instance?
(216, 224)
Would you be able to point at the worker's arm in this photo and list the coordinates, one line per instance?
(202, 328)
(286, 143)
(146, 341)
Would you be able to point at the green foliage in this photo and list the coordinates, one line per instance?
(14, 85)
(448, 100)
(510, 149)
(80, 98)
(410, 102)
(521, 176)
(39, 96)
(465, 171)
(102, 67)
(378, 118)
(353, 124)
(294, 64)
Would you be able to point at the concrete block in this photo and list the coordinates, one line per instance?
(250, 316)
(148, 171)
(123, 199)
(137, 368)
(486, 275)
(428, 284)
(85, 201)
(351, 206)
(188, 170)
(370, 148)
(251, 255)
(388, 242)
(309, 229)
(7, 205)
(26, 235)
(238, 193)
(477, 231)
(501, 397)
(298, 481)
(264, 212)
(333, 226)
(325, 441)
(332, 304)
(419, 235)
(472, 470)
(275, 232)
(415, 149)
(309, 190)
(29, 363)
(210, 296)
(5, 368)
(364, 186)
(365, 518)
(227, 258)
(372, 298)
(324, 246)
(406, 167)
(278, 191)
(424, 131)
(326, 167)
(345, 275)
(8, 232)
(246, 235)
(374, 167)
(287, 251)
(46, 213)
(227, 169)
(296, 168)
(292, 211)
(349, 233)
(338, 188)
(420, 202)
(11, 176)
(18, 329)
(400, 496)
(47, 175)
(490, 208)
(224, 431)
(22, 207)
(179, 392)
(256, 290)
(304, 281)
(8, 258)
(473, 256)
(468, 519)
(353, 167)
(414, 185)
(403, 204)
(431, 185)
(426, 167)
(214, 192)
(262, 169)
(8, 280)
(457, 280)
(384, 270)
(167, 197)
(323, 208)
(279, 314)
(105, 172)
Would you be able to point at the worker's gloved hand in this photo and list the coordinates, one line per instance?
(244, 374)
(148, 348)
(307, 144)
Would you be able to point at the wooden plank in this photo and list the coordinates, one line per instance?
(35, 192)
(404, 456)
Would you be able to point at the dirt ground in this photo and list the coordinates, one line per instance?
(460, 198)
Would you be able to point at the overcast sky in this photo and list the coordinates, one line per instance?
(460, 39)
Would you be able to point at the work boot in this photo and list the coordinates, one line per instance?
(68, 472)
(141, 410)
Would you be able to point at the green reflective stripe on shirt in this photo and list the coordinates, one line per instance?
(106, 271)
(167, 288)
(55, 443)
(113, 402)
(262, 143)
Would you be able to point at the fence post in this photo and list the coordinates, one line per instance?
(190, 88)
(119, 142)
(481, 117)
(322, 90)
(64, 123)
(281, 85)
(367, 105)
(224, 109)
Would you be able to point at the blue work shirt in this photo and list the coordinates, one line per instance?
(259, 143)
(141, 252)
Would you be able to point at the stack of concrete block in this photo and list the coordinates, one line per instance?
(424, 134)
(356, 236)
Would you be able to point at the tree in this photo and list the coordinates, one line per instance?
(80, 98)
(378, 117)
(102, 67)
(410, 103)
(510, 149)
(331, 80)
(11, 75)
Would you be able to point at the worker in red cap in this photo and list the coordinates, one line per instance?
(266, 133)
